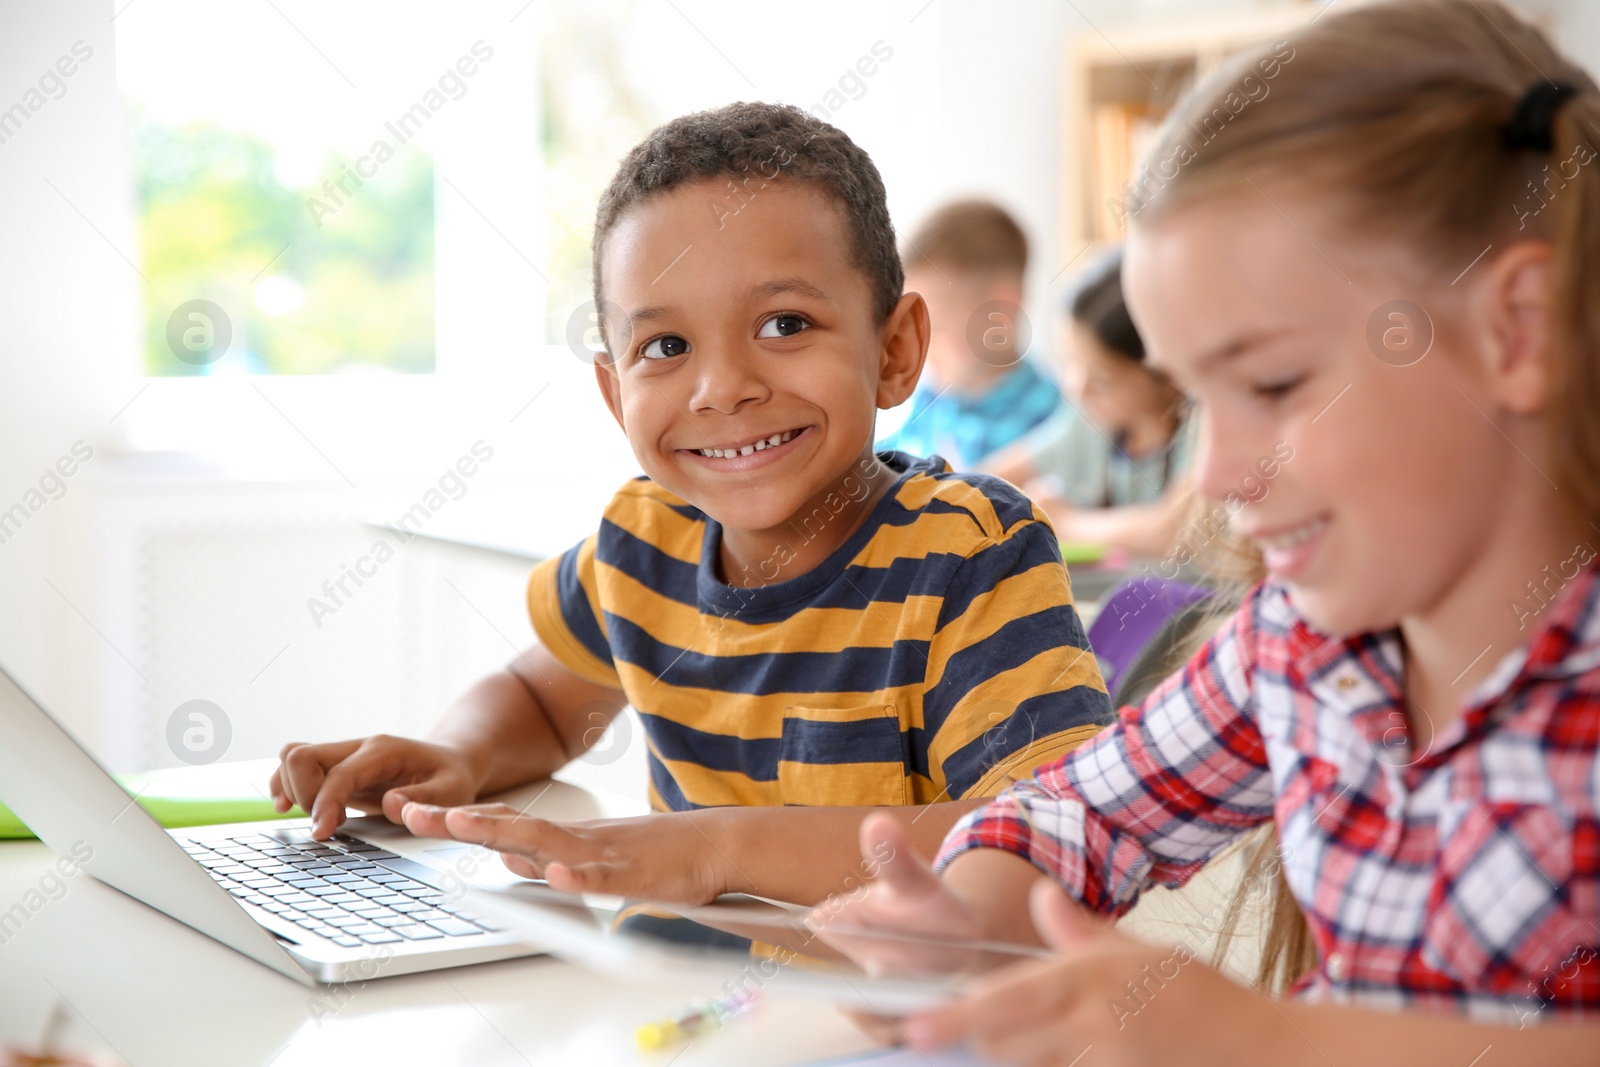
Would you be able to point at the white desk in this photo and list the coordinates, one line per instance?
(157, 994)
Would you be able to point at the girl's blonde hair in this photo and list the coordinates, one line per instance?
(1399, 114)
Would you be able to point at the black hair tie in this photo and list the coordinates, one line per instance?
(1532, 123)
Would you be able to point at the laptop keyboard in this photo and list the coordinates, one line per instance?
(335, 889)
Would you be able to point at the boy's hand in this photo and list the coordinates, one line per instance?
(375, 774)
(1135, 1003)
(905, 897)
(669, 857)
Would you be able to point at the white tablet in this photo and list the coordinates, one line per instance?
(598, 932)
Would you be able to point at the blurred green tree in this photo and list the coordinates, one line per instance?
(216, 223)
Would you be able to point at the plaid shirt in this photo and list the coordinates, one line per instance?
(1464, 880)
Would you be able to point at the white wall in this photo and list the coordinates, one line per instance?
(66, 335)
(1575, 26)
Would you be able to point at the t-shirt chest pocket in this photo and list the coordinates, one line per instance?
(842, 757)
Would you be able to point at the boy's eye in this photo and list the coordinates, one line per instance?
(664, 347)
(783, 326)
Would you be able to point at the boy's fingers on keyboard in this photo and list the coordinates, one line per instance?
(300, 771)
(353, 767)
(275, 793)
(394, 805)
(303, 768)
(424, 820)
(440, 791)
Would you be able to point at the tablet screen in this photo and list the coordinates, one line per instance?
(749, 944)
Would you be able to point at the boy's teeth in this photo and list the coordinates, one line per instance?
(770, 442)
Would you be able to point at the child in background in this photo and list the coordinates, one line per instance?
(1413, 693)
(979, 392)
(1107, 468)
(807, 629)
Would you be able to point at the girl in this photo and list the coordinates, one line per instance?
(1388, 264)
(1107, 468)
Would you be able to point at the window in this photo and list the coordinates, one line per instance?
(250, 265)
(293, 166)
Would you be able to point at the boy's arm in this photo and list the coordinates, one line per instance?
(514, 726)
(796, 854)
(817, 854)
(526, 721)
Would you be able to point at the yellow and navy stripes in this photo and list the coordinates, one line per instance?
(935, 655)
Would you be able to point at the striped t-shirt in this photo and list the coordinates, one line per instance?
(935, 655)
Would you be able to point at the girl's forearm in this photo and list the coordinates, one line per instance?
(1365, 1037)
(994, 884)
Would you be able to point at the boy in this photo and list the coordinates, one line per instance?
(980, 394)
(797, 620)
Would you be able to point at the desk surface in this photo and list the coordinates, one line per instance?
(143, 987)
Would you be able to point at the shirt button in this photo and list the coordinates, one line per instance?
(1347, 681)
(1336, 966)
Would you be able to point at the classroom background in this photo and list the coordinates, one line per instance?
(380, 214)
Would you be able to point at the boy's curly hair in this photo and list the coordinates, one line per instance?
(751, 144)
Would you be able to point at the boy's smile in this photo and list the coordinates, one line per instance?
(750, 454)
(747, 368)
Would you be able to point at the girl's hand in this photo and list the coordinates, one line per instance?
(905, 897)
(1134, 1003)
(671, 857)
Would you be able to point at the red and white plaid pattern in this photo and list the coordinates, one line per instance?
(1464, 879)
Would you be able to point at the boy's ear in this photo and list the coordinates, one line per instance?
(1516, 289)
(905, 347)
(605, 375)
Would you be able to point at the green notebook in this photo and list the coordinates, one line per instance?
(175, 809)
(1082, 552)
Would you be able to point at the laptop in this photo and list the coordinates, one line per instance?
(341, 910)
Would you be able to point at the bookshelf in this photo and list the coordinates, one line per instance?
(1118, 85)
